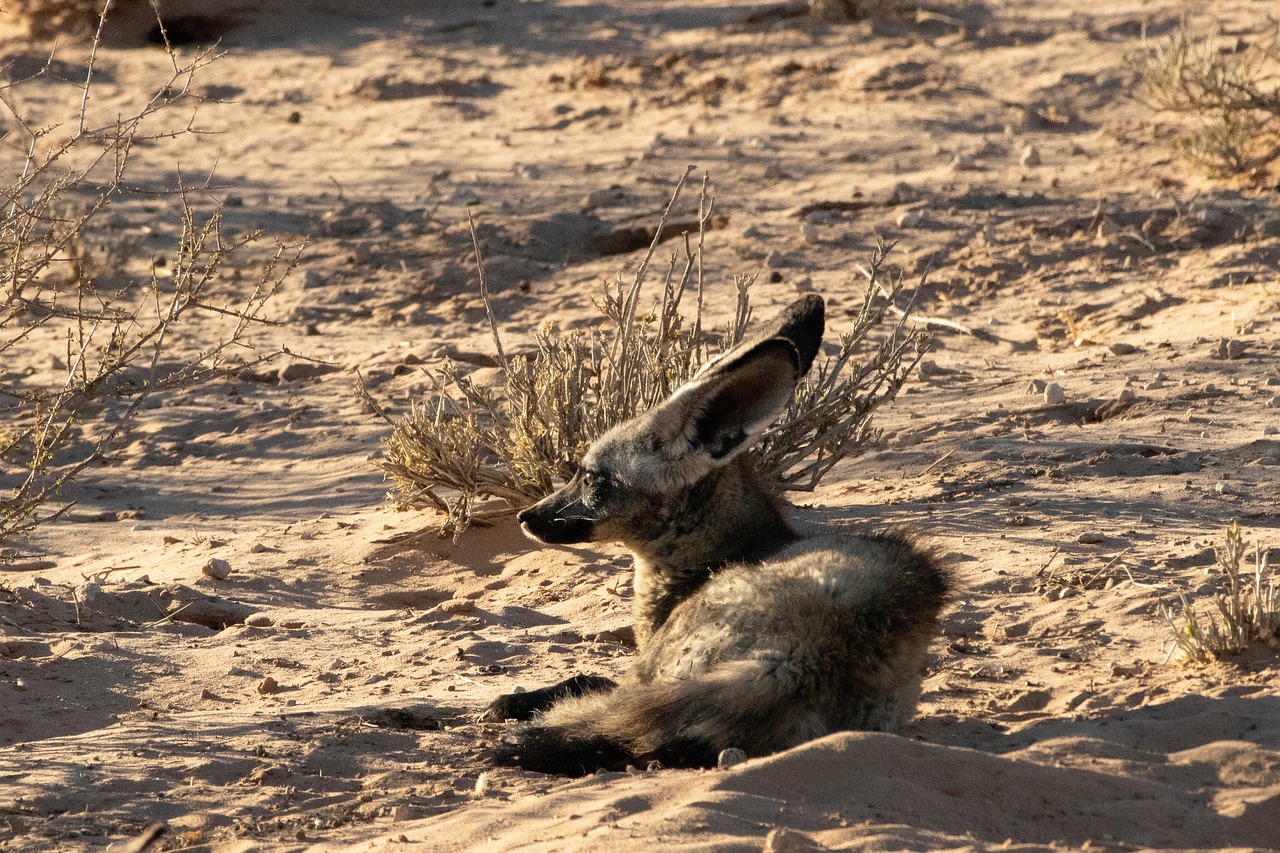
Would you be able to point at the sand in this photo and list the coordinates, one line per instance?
(344, 715)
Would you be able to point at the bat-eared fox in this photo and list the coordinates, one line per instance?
(750, 634)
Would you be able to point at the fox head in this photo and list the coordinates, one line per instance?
(634, 473)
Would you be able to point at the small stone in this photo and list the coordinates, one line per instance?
(1066, 592)
(1210, 388)
(20, 684)
(206, 693)
(1127, 396)
(1160, 376)
(296, 370)
(529, 171)
(1030, 156)
(1229, 348)
(1222, 487)
(964, 163)
(1270, 430)
(1274, 402)
(216, 568)
(1090, 538)
(908, 219)
(730, 757)
(1036, 386)
(267, 686)
(1054, 395)
(809, 232)
(782, 840)
(258, 620)
(374, 679)
(458, 605)
(1120, 348)
(1153, 385)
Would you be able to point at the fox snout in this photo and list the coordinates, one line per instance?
(561, 518)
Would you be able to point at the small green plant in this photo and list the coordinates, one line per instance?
(1227, 96)
(469, 442)
(1249, 608)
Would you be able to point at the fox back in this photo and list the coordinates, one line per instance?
(751, 635)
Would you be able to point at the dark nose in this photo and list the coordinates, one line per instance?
(523, 515)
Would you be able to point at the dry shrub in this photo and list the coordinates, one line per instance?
(1249, 608)
(469, 442)
(1226, 95)
(67, 299)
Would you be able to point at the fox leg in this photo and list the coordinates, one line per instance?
(526, 706)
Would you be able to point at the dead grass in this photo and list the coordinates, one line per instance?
(1249, 608)
(68, 300)
(1226, 95)
(468, 442)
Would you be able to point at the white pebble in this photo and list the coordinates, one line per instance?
(908, 219)
(809, 231)
(1054, 395)
(217, 568)
(729, 757)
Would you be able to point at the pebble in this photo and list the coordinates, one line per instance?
(730, 757)
(809, 231)
(216, 568)
(1229, 348)
(1119, 348)
(1270, 430)
(1037, 386)
(258, 620)
(908, 219)
(1222, 487)
(1090, 538)
(268, 686)
(1030, 156)
(1274, 402)
(295, 370)
(1054, 395)
(1153, 385)
(782, 840)
(1127, 396)
(458, 605)
(206, 693)
(964, 163)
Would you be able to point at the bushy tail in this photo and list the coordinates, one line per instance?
(743, 704)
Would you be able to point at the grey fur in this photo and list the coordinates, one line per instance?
(751, 636)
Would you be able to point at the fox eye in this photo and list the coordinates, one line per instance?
(596, 485)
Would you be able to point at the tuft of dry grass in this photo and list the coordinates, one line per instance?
(68, 301)
(1249, 608)
(1226, 94)
(468, 443)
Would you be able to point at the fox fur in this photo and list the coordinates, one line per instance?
(750, 635)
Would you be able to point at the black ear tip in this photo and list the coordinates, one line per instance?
(803, 322)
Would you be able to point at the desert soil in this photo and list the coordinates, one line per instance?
(999, 145)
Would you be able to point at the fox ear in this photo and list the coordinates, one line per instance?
(801, 323)
(721, 413)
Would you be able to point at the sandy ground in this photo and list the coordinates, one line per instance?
(1050, 716)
